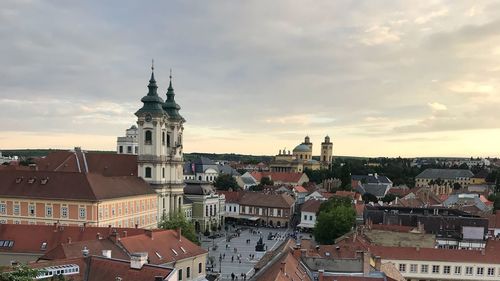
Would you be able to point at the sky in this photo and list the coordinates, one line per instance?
(381, 78)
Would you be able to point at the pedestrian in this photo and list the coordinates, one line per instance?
(235, 250)
(232, 276)
(244, 277)
(232, 258)
(224, 255)
(240, 261)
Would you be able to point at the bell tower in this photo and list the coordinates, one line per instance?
(326, 152)
(160, 157)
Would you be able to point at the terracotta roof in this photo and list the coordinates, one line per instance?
(231, 196)
(311, 206)
(95, 247)
(163, 246)
(392, 227)
(327, 195)
(494, 220)
(278, 176)
(281, 200)
(354, 278)
(284, 268)
(490, 254)
(107, 164)
(94, 268)
(398, 191)
(26, 242)
(344, 193)
(70, 186)
(300, 189)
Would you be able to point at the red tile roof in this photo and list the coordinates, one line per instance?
(278, 176)
(344, 193)
(94, 268)
(494, 220)
(311, 206)
(231, 196)
(107, 164)
(26, 242)
(281, 200)
(95, 247)
(70, 186)
(161, 245)
(353, 278)
(300, 189)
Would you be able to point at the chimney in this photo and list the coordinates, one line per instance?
(85, 252)
(98, 236)
(106, 253)
(137, 260)
(282, 268)
(149, 233)
(68, 240)
(179, 233)
(114, 237)
(321, 274)
(366, 263)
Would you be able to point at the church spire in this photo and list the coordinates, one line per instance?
(152, 102)
(170, 106)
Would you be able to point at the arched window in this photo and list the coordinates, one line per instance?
(147, 172)
(180, 202)
(211, 211)
(215, 210)
(206, 211)
(168, 140)
(163, 138)
(199, 267)
(148, 137)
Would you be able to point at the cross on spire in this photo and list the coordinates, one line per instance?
(152, 64)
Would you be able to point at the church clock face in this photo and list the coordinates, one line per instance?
(148, 117)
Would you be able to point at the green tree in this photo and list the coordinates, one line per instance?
(266, 181)
(226, 182)
(334, 223)
(368, 197)
(178, 220)
(21, 273)
(389, 198)
(333, 202)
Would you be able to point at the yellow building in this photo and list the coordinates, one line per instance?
(48, 197)
(301, 157)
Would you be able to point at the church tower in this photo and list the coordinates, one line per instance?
(159, 158)
(307, 141)
(326, 152)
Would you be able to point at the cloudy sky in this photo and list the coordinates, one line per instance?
(382, 78)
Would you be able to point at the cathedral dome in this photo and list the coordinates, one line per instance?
(302, 148)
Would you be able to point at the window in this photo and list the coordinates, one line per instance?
(147, 172)
(2, 208)
(206, 211)
(310, 218)
(120, 149)
(305, 217)
(468, 270)
(413, 268)
(129, 149)
(458, 270)
(199, 267)
(480, 271)
(15, 210)
(31, 209)
(491, 271)
(82, 213)
(48, 211)
(446, 269)
(163, 138)
(188, 272)
(180, 274)
(211, 210)
(435, 269)
(136, 150)
(168, 140)
(402, 267)
(163, 172)
(148, 137)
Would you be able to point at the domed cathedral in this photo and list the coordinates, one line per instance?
(301, 157)
(160, 160)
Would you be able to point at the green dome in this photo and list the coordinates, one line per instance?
(302, 148)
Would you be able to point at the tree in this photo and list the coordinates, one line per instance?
(265, 181)
(178, 220)
(226, 182)
(368, 197)
(345, 176)
(21, 273)
(333, 202)
(334, 223)
(389, 198)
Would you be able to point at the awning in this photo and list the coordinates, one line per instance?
(250, 218)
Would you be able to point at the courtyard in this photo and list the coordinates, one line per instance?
(239, 256)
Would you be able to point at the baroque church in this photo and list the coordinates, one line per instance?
(301, 157)
(159, 156)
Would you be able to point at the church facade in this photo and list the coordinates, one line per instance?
(160, 157)
(301, 157)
